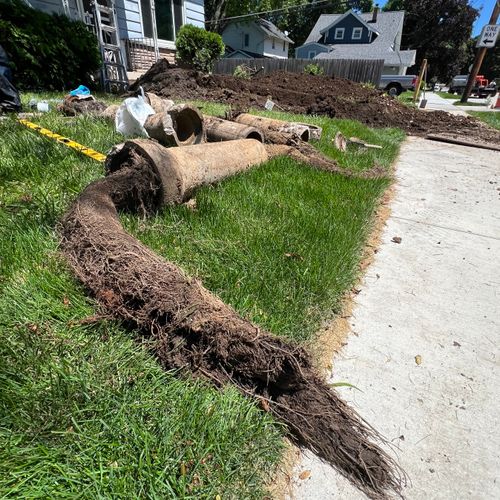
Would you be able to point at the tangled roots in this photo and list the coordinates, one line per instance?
(188, 328)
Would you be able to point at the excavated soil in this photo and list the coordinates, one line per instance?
(190, 329)
(309, 94)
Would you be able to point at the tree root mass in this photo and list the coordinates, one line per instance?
(190, 329)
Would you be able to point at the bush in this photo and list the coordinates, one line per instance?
(314, 69)
(241, 71)
(198, 48)
(47, 51)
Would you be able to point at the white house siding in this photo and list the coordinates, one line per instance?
(234, 36)
(277, 52)
(194, 13)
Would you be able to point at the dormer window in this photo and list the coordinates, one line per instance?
(357, 33)
(339, 33)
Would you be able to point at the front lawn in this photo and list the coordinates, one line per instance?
(492, 118)
(448, 95)
(85, 411)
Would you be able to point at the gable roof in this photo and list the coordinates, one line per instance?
(350, 12)
(272, 30)
(388, 26)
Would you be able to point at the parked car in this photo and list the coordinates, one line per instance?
(396, 84)
(481, 88)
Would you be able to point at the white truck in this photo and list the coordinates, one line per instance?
(396, 84)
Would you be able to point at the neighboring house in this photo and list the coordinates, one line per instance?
(254, 39)
(135, 22)
(375, 35)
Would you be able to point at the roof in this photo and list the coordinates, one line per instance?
(230, 52)
(388, 26)
(364, 22)
(367, 51)
(270, 29)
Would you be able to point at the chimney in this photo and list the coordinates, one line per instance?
(375, 14)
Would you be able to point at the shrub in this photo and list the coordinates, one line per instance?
(198, 48)
(241, 71)
(46, 51)
(314, 69)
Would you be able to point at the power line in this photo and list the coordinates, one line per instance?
(303, 6)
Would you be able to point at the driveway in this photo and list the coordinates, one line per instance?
(424, 347)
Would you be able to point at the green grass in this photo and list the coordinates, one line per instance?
(407, 98)
(447, 95)
(470, 102)
(85, 411)
(492, 118)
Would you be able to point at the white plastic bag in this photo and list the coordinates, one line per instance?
(131, 116)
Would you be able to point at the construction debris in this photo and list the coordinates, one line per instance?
(181, 170)
(225, 130)
(342, 143)
(190, 329)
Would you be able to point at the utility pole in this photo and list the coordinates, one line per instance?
(481, 52)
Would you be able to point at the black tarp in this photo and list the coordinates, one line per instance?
(9, 96)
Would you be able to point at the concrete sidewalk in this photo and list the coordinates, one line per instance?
(424, 347)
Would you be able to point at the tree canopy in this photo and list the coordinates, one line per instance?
(297, 18)
(439, 31)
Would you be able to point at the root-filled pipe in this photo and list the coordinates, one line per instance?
(188, 328)
(272, 125)
(225, 130)
(181, 170)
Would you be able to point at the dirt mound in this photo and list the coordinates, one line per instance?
(190, 329)
(308, 94)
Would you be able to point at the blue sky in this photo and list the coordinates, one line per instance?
(484, 6)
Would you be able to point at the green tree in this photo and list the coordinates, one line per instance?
(298, 22)
(439, 31)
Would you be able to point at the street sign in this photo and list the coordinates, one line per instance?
(488, 36)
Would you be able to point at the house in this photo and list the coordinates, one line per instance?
(375, 35)
(135, 20)
(255, 39)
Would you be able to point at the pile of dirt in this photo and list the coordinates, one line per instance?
(308, 94)
(188, 328)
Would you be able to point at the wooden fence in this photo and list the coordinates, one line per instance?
(357, 70)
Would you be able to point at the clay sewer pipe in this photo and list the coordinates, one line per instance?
(224, 130)
(303, 130)
(174, 125)
(182, 170)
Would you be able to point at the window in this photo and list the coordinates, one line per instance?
(247, 39)
(339, 33)
(169, 17)
(284, 45)
(273, 44)
(357, 33)
(311, 54)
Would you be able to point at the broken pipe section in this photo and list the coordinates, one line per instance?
(182, 170)
(174, 125)
(302, 130)
(225, 130)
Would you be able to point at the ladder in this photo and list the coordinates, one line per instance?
(113, 73)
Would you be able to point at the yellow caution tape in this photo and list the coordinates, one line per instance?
(64, 140)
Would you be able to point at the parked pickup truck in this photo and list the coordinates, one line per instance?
(395, 84)
(481, 88)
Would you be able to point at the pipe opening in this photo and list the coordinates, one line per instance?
(188, 126)
(305, 135)
(255, 135)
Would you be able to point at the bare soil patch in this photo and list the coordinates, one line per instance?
(309, 94)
